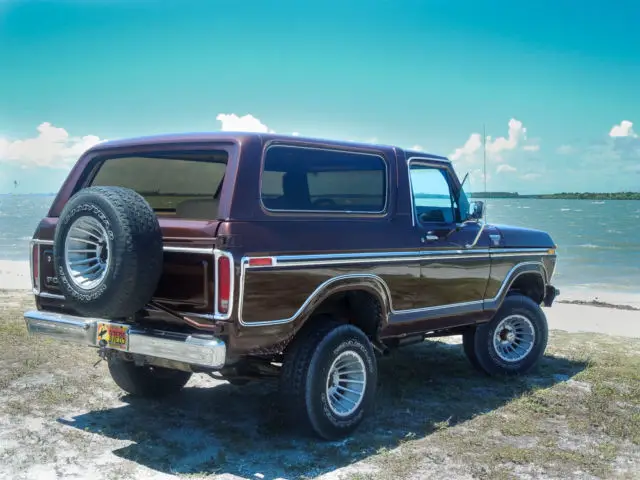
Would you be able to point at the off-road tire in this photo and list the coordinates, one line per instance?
(146, 381)
(469, 348)
(305, 370)
(135, 252)
(479, 343)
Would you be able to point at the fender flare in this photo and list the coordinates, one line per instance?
(370, 283)
(525, 268)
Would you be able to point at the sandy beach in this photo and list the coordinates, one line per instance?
(574, 417)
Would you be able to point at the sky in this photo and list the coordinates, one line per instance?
(555, 85)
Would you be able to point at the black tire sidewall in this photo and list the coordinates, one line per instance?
(469, 347)
(142, 381)
(136, 255)
(100, 210)
(322, 419)
(485, 353)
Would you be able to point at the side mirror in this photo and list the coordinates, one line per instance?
(476, 210)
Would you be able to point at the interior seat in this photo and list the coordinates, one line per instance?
(198, 209)
(295, 193)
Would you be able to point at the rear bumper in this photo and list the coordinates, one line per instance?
(550, 294)
(201, 350)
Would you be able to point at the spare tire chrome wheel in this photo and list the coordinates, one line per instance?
(86, 252)
(108, 252)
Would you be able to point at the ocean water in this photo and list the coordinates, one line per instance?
(598, 241)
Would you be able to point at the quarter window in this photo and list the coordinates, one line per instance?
(432, 199)
(308, 179)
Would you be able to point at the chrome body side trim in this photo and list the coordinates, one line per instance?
(35, 282)
(53, 296)
(42, 242)
(166, 248)
(384, 257)
(204, 351)
(180, 249)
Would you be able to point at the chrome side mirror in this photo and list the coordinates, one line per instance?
(476, 210)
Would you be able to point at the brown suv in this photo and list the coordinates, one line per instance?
(248, 256)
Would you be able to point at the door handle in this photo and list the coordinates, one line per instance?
(430, 237)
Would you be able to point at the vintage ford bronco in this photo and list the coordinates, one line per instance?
(248, 255)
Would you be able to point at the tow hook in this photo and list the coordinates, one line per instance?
(103, 352)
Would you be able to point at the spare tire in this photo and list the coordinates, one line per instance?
(108, 252)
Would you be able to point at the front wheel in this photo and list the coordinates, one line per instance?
(329, 378)
(146, 381)
(512, 342)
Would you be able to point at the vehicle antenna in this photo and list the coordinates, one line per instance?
(484, 167)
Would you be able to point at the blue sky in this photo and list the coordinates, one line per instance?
(553, 79)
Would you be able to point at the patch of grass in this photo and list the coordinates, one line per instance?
(578, 424)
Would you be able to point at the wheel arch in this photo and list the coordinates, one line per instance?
(528, 278)
(363, 300)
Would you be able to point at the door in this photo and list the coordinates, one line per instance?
(454, 267)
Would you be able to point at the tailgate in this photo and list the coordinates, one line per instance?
(186, 284)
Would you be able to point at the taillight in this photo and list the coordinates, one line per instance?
(260, 262)
(35, 266)
(224, 284)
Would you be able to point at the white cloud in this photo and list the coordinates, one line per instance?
(247, 123)
(515, 135)
(470, 148)
(531, 176)
(565, 150)
(52, 147)
(505, 168)
(417, 148)
(625, 129)
(516, 139)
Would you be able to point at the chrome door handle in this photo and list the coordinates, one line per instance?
(430, 237)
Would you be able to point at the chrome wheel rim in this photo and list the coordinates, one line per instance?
(514, 338)
(346, 383)
(87, 251)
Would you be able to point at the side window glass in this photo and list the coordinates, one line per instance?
(432, 199)
(314, 180)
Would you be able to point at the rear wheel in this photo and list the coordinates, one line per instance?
(329, 377)
(512, 342)
(146, 381)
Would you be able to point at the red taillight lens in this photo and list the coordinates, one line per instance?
(35, 266)
(261, 261)
(224, 284)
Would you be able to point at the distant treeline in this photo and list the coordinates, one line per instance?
(562, 196)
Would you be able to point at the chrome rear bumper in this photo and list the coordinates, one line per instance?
(201, 350)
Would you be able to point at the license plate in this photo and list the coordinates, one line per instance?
(116, 336)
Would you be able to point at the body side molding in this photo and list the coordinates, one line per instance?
(377, 286)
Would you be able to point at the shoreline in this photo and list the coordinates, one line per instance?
(599, 304)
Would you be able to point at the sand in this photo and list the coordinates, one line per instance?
(14, 275)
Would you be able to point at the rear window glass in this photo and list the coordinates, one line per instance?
(308, 179)
(184, 186)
